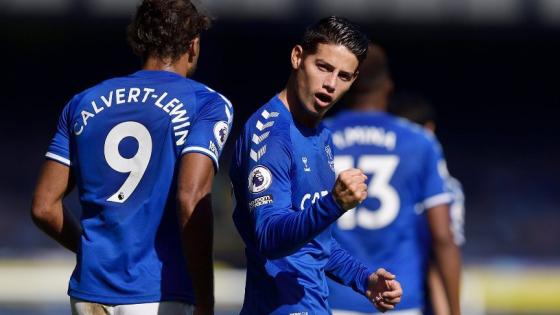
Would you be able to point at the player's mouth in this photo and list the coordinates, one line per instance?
(323, 99)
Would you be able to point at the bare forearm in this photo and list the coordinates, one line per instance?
(59, 223)
(448, 261)
(197, 235)
(437, 294)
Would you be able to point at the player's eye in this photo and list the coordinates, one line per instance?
(344, 76)
(324, 67)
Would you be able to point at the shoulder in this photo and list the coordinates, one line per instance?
(206, 96)
(415, 131)
(270, 121)
(268, 130)
(85, 96)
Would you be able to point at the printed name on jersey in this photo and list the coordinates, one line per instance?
(263, 200)
(257, 153)
(260, 179)
(221, 131)
(365, 135)
(136, 96)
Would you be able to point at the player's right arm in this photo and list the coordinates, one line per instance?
(47, 210)
(54, 183)
(280, 227)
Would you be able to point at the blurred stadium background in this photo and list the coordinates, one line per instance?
(490, 67)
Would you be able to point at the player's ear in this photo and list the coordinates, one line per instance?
(355, 75)
(297, 56)
(194, 48)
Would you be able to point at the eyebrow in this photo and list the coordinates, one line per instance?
(332, 67)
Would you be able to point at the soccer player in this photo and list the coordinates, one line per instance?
(286, 190)
(418, 110)
(401, 161)
(142, 150)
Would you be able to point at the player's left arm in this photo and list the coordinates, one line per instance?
(447, 257)
(196, 221)
(380, 287)
(198, 165)
(446, 254)
(47, 209)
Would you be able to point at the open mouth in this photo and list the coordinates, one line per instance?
(323, 98)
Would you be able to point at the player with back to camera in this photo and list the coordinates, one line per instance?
(402, 162)
(286, 190)
(416, 109)
(142, 150)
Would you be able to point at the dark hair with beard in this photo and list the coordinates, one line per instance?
(338, 31)
(164, 28)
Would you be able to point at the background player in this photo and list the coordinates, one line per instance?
(284, 183)
(401, 161)
(418, 110)
(142, 150)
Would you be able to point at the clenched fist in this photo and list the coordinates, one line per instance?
(350, 188)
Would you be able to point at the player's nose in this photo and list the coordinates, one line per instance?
(329, 83)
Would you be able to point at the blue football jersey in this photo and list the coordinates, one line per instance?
(401, 161)
(283, 174)
(122, 140)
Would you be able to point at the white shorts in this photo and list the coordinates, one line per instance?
(414, 311)
(80, 307)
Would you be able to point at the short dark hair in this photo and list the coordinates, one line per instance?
(339, 31)
(164, 28)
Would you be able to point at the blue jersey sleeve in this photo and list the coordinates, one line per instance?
(434, 192)
(346, 270)
(281, 228)
(59, 149)
(211, 126)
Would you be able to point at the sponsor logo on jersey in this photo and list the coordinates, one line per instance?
(221, 130)
(309, 199)
(263, 200)
(260, 179)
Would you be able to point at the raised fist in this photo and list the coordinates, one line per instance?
(350, 188)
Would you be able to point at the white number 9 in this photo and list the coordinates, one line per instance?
(136, 165)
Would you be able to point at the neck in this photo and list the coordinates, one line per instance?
(289, 97)
(181, 66)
